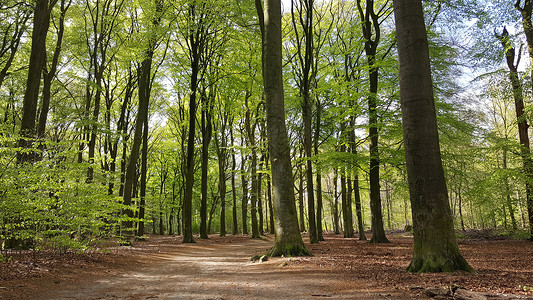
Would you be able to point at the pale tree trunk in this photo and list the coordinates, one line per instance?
(435, 245)
(288, 239)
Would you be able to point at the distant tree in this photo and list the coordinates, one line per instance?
(523, 126)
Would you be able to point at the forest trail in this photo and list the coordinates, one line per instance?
(220, 268)
(217, 271)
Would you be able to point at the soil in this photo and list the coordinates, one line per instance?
(220, 268)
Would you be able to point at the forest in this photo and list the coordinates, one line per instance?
(124, 119)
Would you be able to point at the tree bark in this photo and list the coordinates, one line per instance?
(523, 126)
(144, 171)
(207, 130)
(288, 239)
(435, 245)
(41, 23)
(371, 32)
(48, 75)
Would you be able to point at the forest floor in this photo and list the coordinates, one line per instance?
(220, 268)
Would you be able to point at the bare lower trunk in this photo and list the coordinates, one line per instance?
(435, 245)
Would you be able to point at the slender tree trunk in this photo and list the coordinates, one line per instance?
(270, 209)
(301, 198)
(142, 118)
(233, 187)
(435, 245)
(358, 209)
(319, 204)
(144, 171)
(336, 203)
(508, 193)
(260, 200)
(41, 23)
(48, 75)
(371, 32)
(523, 126)
(244, 199)
(288, 239)
(206, 125)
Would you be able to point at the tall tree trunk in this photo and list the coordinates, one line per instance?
(301, 209)
(41, 23)
(142, 117)
(435, 245)
(371, 32)
(260, 199)
(336, 226)
(319, 204)
(288, 239)
(233, 187)
(250, 131)
(144, 171)
(207, 130)
(523, 126)
(358, 208)
(244, 199)
(196, 41)
(48, 75)
(305, 59)
(509, 203)
(270, 209)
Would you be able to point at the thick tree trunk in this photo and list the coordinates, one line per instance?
(435, 245)
(288, 239)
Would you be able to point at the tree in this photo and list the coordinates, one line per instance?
(523, 126)
(288, 239)
(141, 122)
(50, 73)
(12, 28)
(305, 55)
(370, 24)
(41, 23)
(435, 245)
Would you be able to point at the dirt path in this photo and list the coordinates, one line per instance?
(220, 268)
(218, 272)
